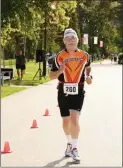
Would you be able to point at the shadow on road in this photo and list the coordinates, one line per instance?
(69, 163)
(54, 163)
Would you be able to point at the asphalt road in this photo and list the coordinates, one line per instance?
(100, 140)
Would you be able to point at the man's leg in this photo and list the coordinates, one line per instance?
(75, 104)
(18, 73)
(75, 128)
(22, 73)
(18, 70)
(65, 114)
(67, 131)
(67, 127)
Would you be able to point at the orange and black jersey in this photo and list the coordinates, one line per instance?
(74, 65)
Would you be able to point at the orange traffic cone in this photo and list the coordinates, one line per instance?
(34, 124)
(46, 113)
(6, 148)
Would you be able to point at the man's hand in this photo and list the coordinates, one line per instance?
(89, 79)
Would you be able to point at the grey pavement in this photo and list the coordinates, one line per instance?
(100, 140)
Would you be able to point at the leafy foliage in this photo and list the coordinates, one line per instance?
(24, 21)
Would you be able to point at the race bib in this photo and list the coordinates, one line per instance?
(71, 88)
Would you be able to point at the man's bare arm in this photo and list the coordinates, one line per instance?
(87, 70)
(88, 75)
(55, 75)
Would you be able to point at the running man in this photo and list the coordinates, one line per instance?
(72, 68)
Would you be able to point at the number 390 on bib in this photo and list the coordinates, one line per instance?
(71, 88)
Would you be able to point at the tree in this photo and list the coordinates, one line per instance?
(23, 22)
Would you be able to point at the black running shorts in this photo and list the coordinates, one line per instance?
(70, 102)
(22, 67)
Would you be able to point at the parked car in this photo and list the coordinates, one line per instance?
(120, 58)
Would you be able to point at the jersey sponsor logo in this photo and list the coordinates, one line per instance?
(72, 59)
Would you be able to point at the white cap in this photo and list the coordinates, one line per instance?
(70, 32)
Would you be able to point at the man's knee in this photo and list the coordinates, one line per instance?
(75, 118)
(22, 71)
(66, 121)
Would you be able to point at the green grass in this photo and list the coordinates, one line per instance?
(31, 69)
(8, 90)
(96, 61)
(8, 62)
